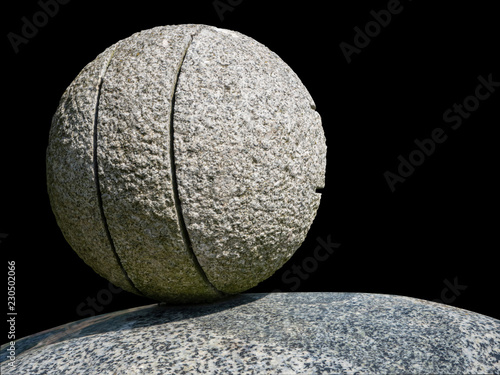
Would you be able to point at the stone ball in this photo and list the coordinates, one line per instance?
(183, 163)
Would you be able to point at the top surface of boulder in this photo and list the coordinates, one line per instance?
(289, 333)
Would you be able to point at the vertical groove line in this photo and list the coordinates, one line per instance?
(175, 189)
(96, 177)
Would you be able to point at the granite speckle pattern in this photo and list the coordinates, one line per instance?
(134, 164)
(185, 165)
(71, 180)
(286, 333)
(250, 153)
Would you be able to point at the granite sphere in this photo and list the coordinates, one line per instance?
(184, 161)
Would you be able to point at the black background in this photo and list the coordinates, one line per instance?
(440, 224)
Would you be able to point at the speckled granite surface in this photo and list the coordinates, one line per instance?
(183, 163)
(286, 333)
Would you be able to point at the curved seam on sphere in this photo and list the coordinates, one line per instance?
(96, 177)
(321, 187)
(175, 190)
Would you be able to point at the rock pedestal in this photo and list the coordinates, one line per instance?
(282, 333)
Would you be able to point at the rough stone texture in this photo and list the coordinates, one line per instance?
(250, 153)
(71, 175)
(301, 333)
(134, 163)
(208, 153)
